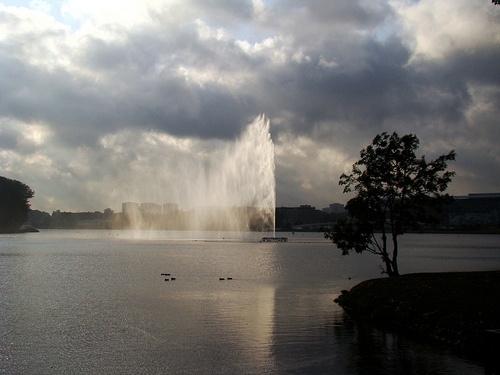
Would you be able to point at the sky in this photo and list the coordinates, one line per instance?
(99, 96)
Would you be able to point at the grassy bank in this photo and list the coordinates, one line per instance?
(452, 308)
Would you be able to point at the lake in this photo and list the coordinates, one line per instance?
(95, 302)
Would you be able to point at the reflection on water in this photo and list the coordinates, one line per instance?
(95, 302)
(332, 342)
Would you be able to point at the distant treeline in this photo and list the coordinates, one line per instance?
(214, 219)
(72, 220)
(306, 218)
(473, 213)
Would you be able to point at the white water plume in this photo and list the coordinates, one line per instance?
(229, 187)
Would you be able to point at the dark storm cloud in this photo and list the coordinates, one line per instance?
(133, 83)
(82, 108)
(226, 11)
(8, 138)
(140, 89)
(71, 105)
(383, 94)
(365, 13)
(330, 73)
(368, 92)
(136, 84)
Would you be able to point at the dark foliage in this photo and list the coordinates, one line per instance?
(39, 219)
(395, 190)
(14, 204)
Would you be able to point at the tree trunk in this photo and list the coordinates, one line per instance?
(395, 249)
(389, 268)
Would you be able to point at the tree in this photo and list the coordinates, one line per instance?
(395, 190)
(14, 204)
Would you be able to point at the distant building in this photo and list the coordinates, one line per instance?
(131, 212)
(80, 220)
(292, 217)
(169, 209)
(334, 208)
(131, 208)
(484, 195)
(149, 208)
(474, 210)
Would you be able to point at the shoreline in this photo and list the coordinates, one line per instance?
(452, 308)
(33, 229)
(22, 229)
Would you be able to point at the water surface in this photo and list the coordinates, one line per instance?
(95, 302)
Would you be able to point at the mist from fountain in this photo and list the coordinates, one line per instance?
(230, 188)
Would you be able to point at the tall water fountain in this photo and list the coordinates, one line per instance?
(229, 188)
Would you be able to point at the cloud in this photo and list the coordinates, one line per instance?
(437, 29)
(88, 83)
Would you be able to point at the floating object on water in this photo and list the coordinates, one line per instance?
(274, 239)
(167, 279)
(172, 278)
(165, 274)
(229, 278)
(221, 278)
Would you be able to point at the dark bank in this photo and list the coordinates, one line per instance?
(458, 309)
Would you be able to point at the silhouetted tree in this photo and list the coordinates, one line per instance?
(394, 191)
(14, 204)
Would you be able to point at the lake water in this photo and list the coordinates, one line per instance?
(94, 302)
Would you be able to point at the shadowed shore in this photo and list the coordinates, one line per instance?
(23, 229)
(453, 308)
